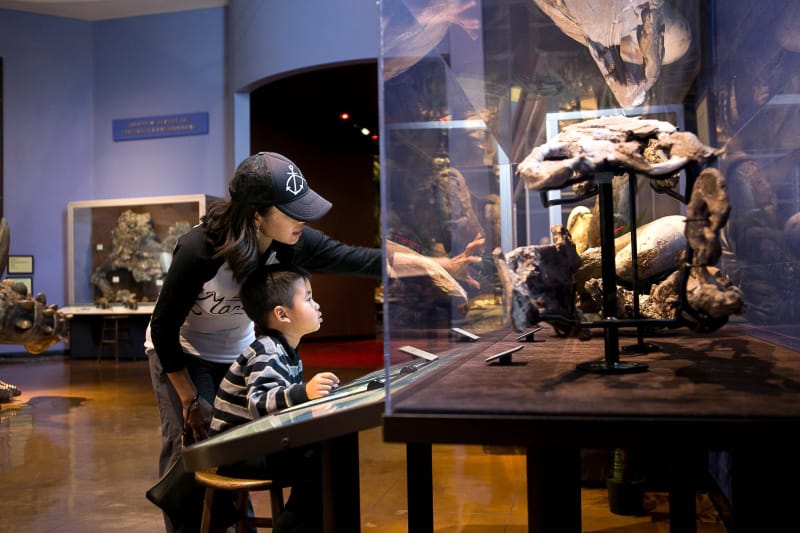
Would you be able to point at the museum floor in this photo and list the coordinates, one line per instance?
(78, 450)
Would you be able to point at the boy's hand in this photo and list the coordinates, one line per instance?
(321, 385)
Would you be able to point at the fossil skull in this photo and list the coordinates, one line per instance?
(629, 40)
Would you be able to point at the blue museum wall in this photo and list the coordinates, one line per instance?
(47, 138)
(151, 66)
(269, 40)
(65, 81)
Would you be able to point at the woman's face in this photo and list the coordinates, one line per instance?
(277, 226)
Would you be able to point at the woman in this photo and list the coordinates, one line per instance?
(198, 326)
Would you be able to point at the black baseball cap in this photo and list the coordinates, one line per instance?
(269, 178)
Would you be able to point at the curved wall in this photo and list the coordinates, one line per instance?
(271, 39)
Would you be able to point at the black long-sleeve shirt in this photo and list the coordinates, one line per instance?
(198, 311)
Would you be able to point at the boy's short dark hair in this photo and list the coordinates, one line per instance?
(266, 288)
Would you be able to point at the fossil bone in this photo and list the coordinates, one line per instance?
(659, 246)
(710, 295)
(707, 291)
(706, 214)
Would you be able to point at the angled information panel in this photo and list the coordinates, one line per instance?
(355, 406)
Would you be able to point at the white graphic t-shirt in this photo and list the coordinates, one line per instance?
(217, 326)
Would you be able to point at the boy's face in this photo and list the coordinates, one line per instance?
(305, 314)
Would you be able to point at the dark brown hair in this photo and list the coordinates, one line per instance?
(230, 230)
(267, 288)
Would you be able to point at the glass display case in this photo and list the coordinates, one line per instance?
(119, 249)
(470, 89)
(476, 94)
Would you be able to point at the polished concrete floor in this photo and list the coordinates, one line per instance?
(78, 450)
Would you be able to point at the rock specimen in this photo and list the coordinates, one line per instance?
(708, 291)
(136, 246)
(539, 283)
(136, 249)
(651, 147)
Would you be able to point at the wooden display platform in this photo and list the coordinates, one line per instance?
(723, 391)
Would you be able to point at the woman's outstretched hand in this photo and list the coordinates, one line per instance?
(458, 265)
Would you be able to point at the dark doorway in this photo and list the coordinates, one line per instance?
(300, 117)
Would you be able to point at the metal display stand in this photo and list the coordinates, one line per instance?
(641, 347)
(611, 363)
(611, 325)
(551, 199)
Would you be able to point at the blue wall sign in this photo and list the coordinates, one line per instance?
(131, 129)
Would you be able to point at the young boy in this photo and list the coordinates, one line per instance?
(268, 377)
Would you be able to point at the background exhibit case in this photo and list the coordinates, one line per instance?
(122, 247)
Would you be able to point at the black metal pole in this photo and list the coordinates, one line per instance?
(611, 364)
(640, 346)
(609, 271)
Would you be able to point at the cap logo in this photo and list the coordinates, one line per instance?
(295, 182)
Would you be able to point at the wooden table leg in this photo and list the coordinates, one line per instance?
(419, 466)
(684, 467)
(554, 490)
(341, 485)
(761, 494)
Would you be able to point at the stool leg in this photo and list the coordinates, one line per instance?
(102, 340)
(245, 521)
(241, 511)
(208, 504)
(116, 340)
(276, 501)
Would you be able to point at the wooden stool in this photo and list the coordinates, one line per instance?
(242, 487)
(114, 332)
